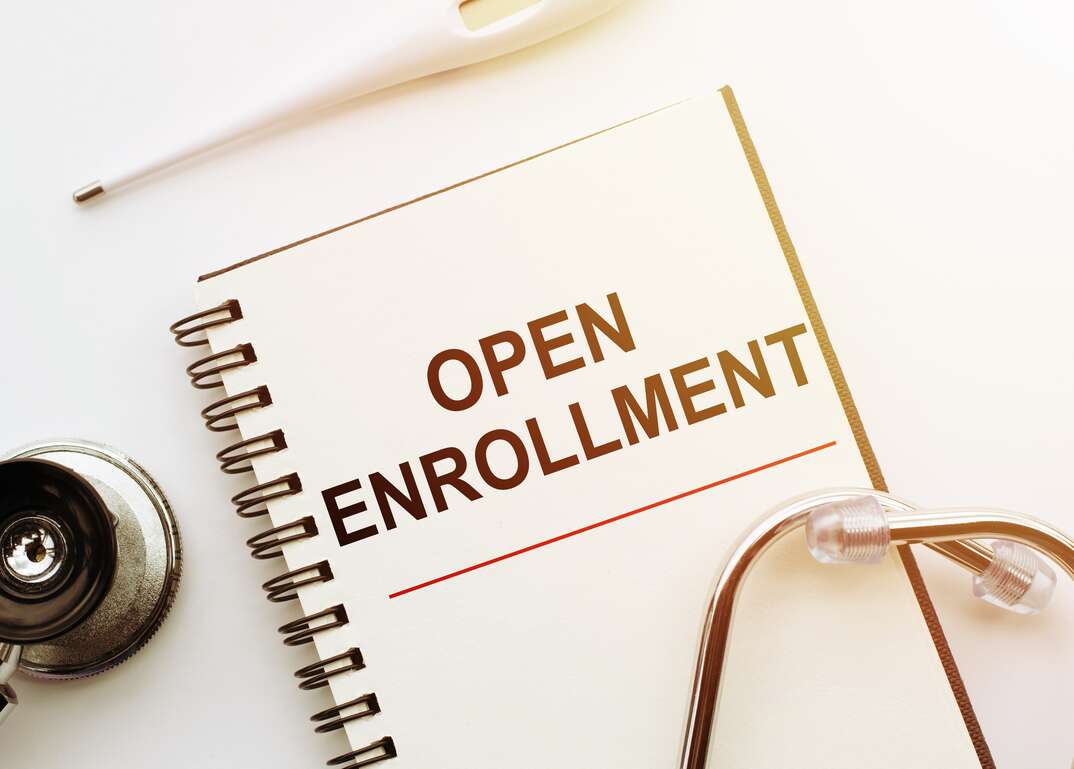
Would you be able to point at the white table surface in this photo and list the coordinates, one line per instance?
(921, 153)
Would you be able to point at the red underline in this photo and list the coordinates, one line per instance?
(620, 517)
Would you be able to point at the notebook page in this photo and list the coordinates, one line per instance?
(555, 620)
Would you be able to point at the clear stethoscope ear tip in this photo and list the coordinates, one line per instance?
(857, 530)
(1016, 579)
(853, 530)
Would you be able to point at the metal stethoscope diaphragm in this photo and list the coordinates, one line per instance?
(89, 561)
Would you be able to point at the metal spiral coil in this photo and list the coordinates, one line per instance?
(285, 587)
(220, 416)
(190, 331)
(268, 544)
(316, 675)
(302, 630)
(335, 717)
(253, 502)
(206, 373)
(238, 457)
(373, 753)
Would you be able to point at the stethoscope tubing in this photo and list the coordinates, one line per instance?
(950, 532)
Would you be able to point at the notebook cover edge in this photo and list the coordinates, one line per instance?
(876, 477)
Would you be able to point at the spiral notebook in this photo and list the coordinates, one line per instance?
(500, 439)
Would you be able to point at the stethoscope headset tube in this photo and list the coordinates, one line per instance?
(848, 524)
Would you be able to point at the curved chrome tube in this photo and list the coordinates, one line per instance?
(948, 525)
(949, 532)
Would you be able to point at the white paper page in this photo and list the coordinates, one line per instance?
(580, 652)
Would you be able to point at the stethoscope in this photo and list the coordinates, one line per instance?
(90, 562)
(859, 526)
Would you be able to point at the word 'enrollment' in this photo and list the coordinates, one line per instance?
(657, 403)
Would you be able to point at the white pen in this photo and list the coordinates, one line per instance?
(432, 36)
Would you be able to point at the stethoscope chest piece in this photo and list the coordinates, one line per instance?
(89, 559)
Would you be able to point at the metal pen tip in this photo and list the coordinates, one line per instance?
(91, 190)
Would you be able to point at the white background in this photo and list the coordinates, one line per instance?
(921, 154)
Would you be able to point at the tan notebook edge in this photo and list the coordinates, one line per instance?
(876, 477)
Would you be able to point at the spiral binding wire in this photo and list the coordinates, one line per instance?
(316, 675)
(221, 416)
(285, 587)
(335, 717)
